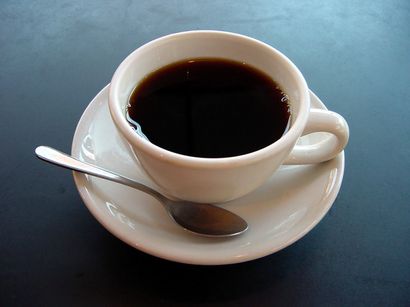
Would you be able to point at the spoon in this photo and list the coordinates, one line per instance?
(203, 219)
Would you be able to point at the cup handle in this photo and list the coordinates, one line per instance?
(326, 149)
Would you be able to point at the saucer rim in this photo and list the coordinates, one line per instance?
(181, 258)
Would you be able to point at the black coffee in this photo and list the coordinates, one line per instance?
(210, 108)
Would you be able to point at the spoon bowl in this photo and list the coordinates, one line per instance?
(202, 219)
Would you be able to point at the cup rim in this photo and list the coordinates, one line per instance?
(158, 152)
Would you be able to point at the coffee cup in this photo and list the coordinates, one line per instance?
(216, 180)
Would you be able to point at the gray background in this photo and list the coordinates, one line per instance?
(56, 55)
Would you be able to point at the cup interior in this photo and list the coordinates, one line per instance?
(197, 44)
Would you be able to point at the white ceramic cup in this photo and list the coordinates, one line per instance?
(216, 180)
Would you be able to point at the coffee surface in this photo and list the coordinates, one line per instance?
(210, 108)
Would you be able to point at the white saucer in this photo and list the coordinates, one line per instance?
(282, 211)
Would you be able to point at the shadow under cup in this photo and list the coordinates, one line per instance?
(209, 179)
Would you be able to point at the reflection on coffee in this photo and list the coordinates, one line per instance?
(209, 108)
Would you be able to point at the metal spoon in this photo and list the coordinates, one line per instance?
(203, 219)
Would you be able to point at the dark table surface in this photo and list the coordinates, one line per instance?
(56, 55)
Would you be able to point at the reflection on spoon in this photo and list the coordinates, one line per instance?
(203, 219)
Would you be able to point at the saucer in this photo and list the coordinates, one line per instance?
(279, 213)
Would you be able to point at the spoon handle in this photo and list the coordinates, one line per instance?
(59, 158)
